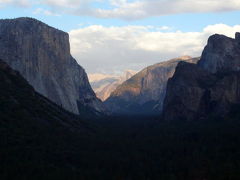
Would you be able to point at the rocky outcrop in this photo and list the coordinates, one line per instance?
(209, 88)
(144, 92)
(42, 55)
(222, 54)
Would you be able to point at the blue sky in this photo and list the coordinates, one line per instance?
(149, 26)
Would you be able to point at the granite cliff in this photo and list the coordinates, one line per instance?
(209, 88)
(42, 55)
(22, 107)
(144, 92)
(222, 54)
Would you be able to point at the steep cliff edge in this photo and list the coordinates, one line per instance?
(144, 92)
(222, 54)
(22, 107)
(209, 88)
(42, 55)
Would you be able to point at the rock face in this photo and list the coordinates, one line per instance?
(22, 107)
(42, 55)
(144, 92)
(104, 87)
(209, 88)
(222, 54)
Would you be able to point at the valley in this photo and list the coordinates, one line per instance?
(174, 120)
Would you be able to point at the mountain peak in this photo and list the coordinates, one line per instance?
(30, 24)
(208, 89)
(221, 54)
(237, 36)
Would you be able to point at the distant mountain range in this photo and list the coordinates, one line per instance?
(104, 85)
(144, 93)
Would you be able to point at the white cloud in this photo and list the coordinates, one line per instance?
(19, 3)
(5, 1)
(130, 10)
(45, 12)
(66, 3)
(139, 9)
(164, 28)
(110, 49)
(146, 8)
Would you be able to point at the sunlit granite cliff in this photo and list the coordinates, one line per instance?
(42, 55)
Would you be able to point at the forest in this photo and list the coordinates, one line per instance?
(123, 148)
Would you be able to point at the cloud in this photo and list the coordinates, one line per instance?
(66, 3)
(129, 9)
(5, 1)
(138, 9)
(18, 3)
(147, 8)
(102, 49)
(45, 12)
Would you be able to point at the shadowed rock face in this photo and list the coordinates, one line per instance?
(209, 88)
(42, 55)
(144, 92)
(22, 107)
(222, 54)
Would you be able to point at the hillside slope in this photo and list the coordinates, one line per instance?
(144, 92)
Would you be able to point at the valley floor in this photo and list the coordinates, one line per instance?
(124, 148)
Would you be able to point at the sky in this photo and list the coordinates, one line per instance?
(111, 36)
